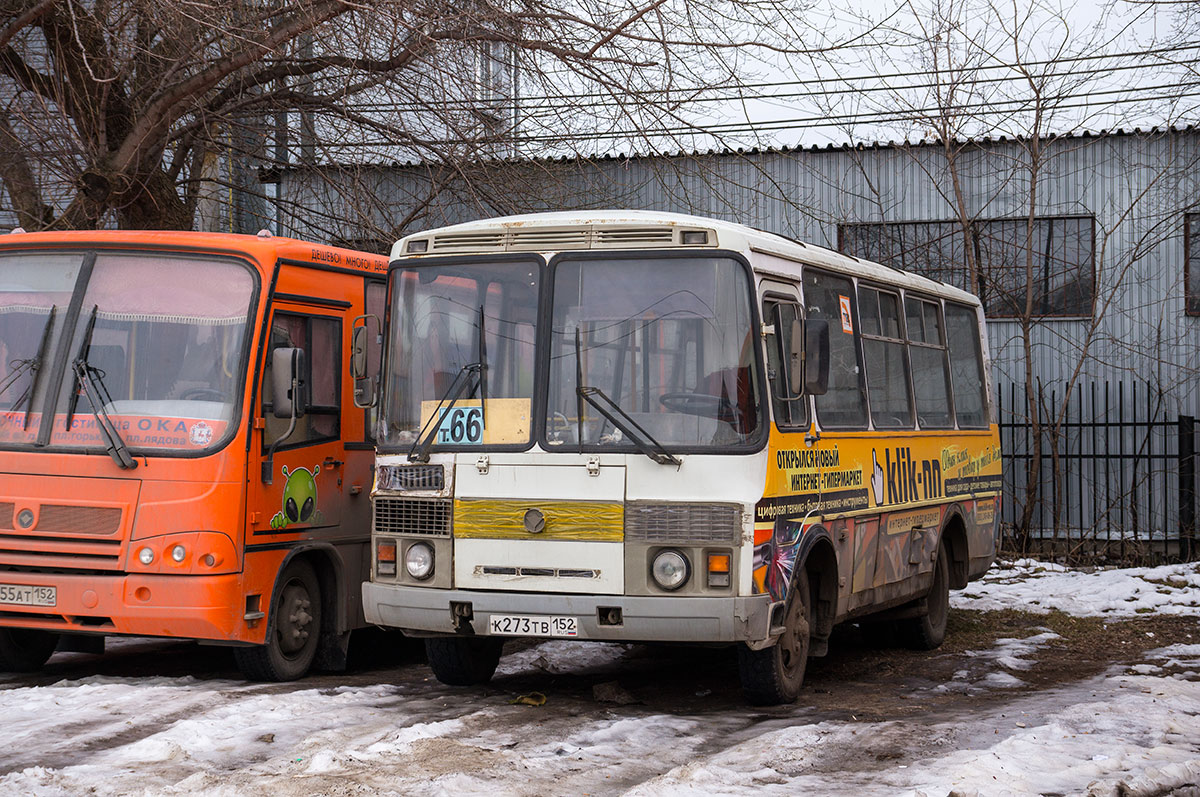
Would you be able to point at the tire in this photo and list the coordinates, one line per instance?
(774, 675)
(927, 631)
(25, 649)
(294, 630)
(463, 661)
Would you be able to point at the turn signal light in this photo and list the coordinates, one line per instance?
(385, 558)
(718, 570)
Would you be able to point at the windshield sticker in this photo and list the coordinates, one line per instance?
(847, 326)
(299, 498)
(138, 431)
(469, 423)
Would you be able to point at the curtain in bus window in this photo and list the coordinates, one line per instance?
(31, 287)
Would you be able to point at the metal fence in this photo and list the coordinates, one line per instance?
(1115, 477)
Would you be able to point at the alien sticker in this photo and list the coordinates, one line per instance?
(299, 498)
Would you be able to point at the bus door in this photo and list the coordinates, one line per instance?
(297, 486)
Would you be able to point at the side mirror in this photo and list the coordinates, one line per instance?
(795, 360)
(288, 380)
(365, 387)
(816, 356)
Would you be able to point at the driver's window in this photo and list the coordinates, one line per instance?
(791, 411)
(319, 337)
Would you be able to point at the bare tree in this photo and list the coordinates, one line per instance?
(1009, 93)
(129, 111)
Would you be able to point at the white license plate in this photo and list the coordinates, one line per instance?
(531, 625)
(24, 595)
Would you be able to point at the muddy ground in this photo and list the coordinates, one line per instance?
(863, 679)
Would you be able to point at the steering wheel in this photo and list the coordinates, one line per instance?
(204, 394)
(705, 405)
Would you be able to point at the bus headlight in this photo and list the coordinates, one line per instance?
(418, 561)
(179, 553)
(670, 570)
(146, 556)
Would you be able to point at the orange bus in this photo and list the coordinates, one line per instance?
(180, 450)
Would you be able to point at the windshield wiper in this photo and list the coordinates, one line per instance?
(34, 366)
(648, 446)
(91, 381)
(420, 449)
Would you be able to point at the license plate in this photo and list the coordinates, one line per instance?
(24, 595)
(531, 625)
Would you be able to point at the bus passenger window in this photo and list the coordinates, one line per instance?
(884, 356)
(966, 366)
(832, 299)
(930, 369)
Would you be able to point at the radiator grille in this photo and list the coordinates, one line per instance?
(412, 477)
(98, 520)
(678, 524)
(428, 517)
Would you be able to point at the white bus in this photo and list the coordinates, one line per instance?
(635, 426)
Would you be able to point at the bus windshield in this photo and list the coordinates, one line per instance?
(159, 337)
(667, 341)
(460, 333)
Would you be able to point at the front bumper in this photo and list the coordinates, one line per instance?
(422, 610)
(195, 607)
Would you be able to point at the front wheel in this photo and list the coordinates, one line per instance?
(927, 631)
(463, 661)
(294, 633)
(773, 675)
(24, 649)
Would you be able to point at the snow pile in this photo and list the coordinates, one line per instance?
(1031, 586)
(1131, 731)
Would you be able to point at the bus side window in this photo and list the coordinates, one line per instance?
(831, 299)
(320, 338)
(966, 366)
(885, 359)
(930, 367)
(791, 411)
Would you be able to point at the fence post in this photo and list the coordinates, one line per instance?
(1187, 487)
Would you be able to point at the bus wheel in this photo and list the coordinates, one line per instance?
(25, 649)
(927, 631)
(463, 661)
(294, 631)
(773, 675)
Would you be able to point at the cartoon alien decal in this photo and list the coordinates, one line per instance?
(299, 498)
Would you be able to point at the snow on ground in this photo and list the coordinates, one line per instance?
(1033, 586)
(1134, 730)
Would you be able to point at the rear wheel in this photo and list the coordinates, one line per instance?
(25, 649)
(295, 629)
(774, 675)
(927, 631)
(463, 661)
